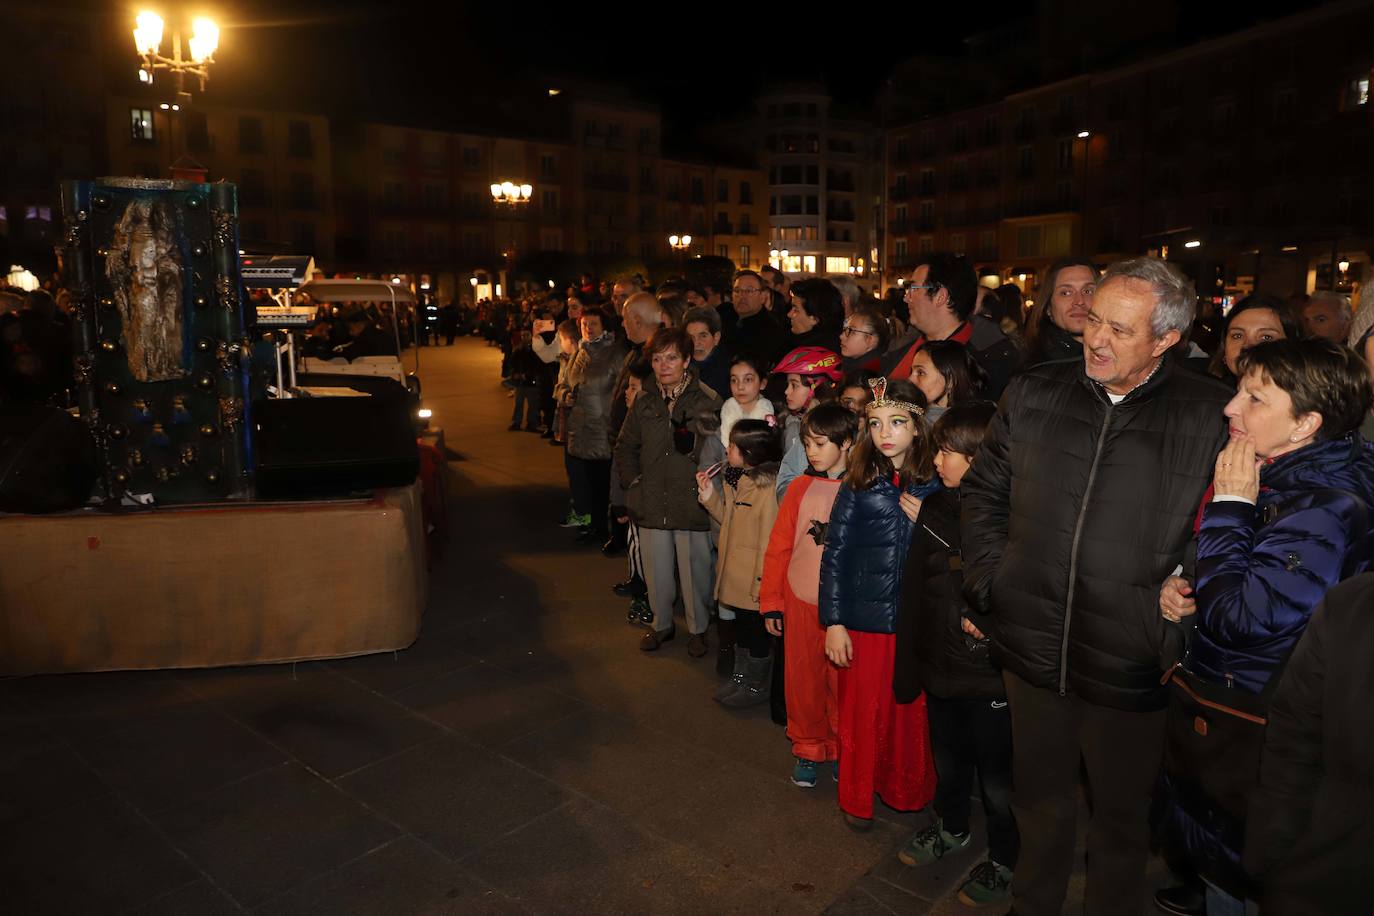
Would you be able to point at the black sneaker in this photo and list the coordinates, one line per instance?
(1183, 900)
(630, 588)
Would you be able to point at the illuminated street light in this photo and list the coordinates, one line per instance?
(510, 193)
(680, 242)
(1344, 265)
(204, 41)
(1192, 243)
(1084, 134)
(472, 280)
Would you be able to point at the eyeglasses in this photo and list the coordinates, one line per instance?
(921, 286)
(738, 290)
(847, 330)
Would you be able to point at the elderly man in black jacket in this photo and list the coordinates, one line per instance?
(1080, 504)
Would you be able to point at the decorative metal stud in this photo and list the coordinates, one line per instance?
(205, 381)
(193, 203)
(212, 476)
(205, 345)
(100, 201)
(208, 430)
(113, 389)
(109, 346)
(117, 431)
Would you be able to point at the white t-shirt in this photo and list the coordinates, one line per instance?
(731, 413)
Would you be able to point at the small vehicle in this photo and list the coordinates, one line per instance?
(314, 377)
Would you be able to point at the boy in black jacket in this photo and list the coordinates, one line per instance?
(941, 649)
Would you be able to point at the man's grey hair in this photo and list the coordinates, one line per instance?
(630, 282)
(646, 307)
(703, 314)
(849, 289)
(1342, 303)
(1175, 296)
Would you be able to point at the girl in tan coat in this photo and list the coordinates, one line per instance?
(745, 508)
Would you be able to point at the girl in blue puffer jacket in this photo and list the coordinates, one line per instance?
(884, 745)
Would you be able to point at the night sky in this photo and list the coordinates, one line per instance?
(412, 63)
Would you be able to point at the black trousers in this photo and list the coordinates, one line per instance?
(751, 634)
(968, 735)
(1121, 752)
(590, 482)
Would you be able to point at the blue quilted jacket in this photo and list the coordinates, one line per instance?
(865, 550)
(1262, 570)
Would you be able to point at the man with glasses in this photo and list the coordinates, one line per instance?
(940, 297)
(776, 280)
(758, 331)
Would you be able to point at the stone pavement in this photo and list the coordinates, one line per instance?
(521, 757)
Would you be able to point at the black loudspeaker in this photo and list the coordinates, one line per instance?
(313, 447)
(48, 460)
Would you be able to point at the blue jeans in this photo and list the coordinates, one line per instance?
(1220, 903)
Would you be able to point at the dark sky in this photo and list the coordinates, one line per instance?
(414, 63)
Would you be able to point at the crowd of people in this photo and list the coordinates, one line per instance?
(961, 541)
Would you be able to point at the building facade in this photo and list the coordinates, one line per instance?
(282, 163)
(1242, 158)
(824, 184)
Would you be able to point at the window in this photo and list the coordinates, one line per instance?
(548, 167)
(393, 194)
(813, 205)
(956, 243)
(1223, 115)
(197, 130)
(302, 191)
(960, 136)
(746, 192)
(927, 214)
(1285, 105)
(722, 191)
(1028, 242)
(472, 158)
(672, 188)
(436, 243)
(789, 174)
(1026, 165)
(899, 250)
(836, 265)
(746, 227)
(1065, 155)
(434, 197)
(813, 174)
(1221, 215)
(394, 241)
(549, 203)
(252, 188)
(471, 203)
(302, 236)
(250, 135)
(1357, 92)
(743, 256)
(298, 139)
(698, 190)
(987, 243)
(551, 239)
(791, 205)
(1064, 192)
(926, 244)
(141, 124)
(927, 182)
(808, 263)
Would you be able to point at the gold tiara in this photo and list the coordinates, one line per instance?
(880, 399)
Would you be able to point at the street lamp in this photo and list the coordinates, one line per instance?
(680, 242)
(148, 41)
(514, 196)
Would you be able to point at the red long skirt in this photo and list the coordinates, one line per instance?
(884, 745)
(813, 715)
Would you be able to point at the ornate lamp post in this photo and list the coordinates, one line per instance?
(508, 194)
(680, 244)
(148, 42)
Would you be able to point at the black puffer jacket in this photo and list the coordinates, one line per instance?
(933, 653)
(865, 542)
(1073, 515)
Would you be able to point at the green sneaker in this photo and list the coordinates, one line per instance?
(987, 885)
(804, 773)
(574, 520)
(930, 844)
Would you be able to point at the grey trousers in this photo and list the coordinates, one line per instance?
(689, 554)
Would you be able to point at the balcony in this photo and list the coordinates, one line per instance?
(720, 227)
(958, 181)
(899, 192)
(1024, 132)
(899, 227)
